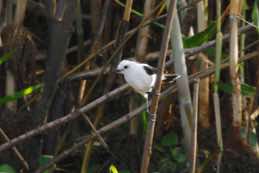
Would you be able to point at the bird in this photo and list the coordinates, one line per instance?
(142, 77)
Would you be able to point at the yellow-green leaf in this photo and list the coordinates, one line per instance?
(113, 169)
(19, 94)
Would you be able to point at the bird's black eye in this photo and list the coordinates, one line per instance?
(125, 66)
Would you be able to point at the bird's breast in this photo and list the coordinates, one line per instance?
(139, 82)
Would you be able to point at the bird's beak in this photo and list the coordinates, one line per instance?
(118, 70)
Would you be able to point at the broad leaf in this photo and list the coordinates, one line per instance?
(201, 37)
(246, 90)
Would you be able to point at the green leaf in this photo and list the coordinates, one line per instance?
(201, 37)
(44, 160)
(6, 57)
(169, 140)
(246, 90)
(20, 94)
(178, 154)
(113, 169)
(4, 168)
(255, 15)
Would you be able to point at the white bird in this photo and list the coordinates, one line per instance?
(141, 77)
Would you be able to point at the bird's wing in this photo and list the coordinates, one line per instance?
(149, 69)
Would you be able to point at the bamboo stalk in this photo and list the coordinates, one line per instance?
(202, 17)
(155, 99)
(195, 124)
(216, 102)
(143, 34)
(217, 77)
(234, 72)
(184, 95)
(20, 11)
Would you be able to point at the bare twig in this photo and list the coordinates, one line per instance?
(16, 151)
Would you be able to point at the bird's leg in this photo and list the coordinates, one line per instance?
(147, 105)
(149, 96)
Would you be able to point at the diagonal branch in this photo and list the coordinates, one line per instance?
(155, 99)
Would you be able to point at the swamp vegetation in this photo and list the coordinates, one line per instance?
(64, 109)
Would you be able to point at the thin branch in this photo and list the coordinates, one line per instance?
(99, 137)
(155, 99)
(16, 151)
(195, 125)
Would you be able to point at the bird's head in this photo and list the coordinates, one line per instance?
(124, 66)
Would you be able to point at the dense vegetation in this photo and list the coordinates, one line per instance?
(64, 109)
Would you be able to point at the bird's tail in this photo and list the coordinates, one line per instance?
(171, 78)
